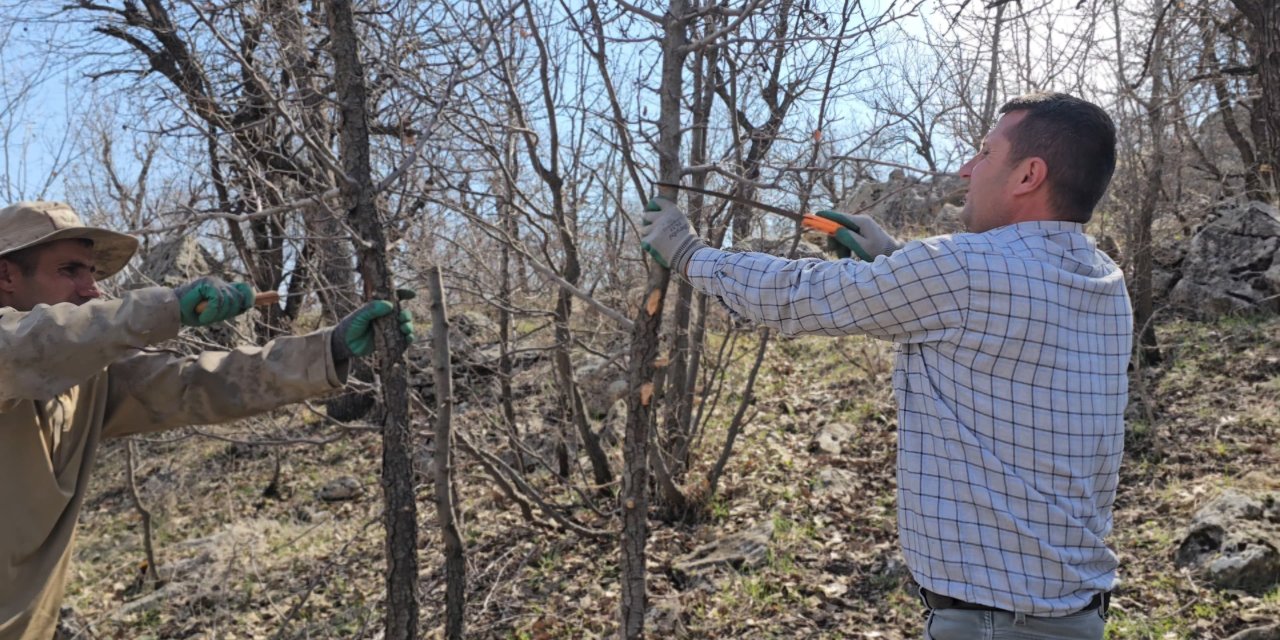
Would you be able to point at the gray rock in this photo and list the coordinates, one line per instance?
(664, 618)
(424, 464)
(780, 247)
(73, 626)
(1231, 264)
(340, 489)
(474, 325)
(1268, 632)
(743, 551)
(831, 438)
(175, 260)
(904, 201)
(833, 481)
(614, 424)
(601, 383)
(1234, 542)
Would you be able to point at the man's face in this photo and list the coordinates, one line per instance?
(64, 273)
(989, 175)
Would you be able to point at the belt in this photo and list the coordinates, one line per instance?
(938, 601)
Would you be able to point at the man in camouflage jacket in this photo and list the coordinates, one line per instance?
(74, 369)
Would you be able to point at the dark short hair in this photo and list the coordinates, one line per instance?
(28, 259)
(1077, 139)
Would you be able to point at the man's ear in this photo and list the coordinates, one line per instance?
(7, 272)
(1029, 175)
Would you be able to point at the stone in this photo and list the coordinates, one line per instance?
(175, 260)
(835, 481)
(1267, 632)
(1233, 542)
(903, 202)
(73, 626)
(340, 489)
(664, 618)
(614, 424)
(742, 551)
(424, 464)
(601, 383)
(1232, 264)
(780, 247)
(179, 259)
(831, 438)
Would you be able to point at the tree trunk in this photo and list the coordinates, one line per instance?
(1264, 23)
(644, 340)
(397, 442)
(1227, 112)
(684, 355)
(509, 224)
(455, 561)
(1143, 306)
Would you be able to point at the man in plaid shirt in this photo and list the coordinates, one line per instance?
(1010, 377)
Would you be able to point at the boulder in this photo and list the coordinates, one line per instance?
(831, 438)
(340, 489)
(1265, 632)
(780, 247)
(833, 481)
(1233, 542)
(1232, 264)
(179, 259)
(601, 383)
(175, 260)
(742, 551)
(903, 202)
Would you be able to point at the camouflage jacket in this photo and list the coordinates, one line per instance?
(73, 375)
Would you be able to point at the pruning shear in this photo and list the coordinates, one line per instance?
(806, 220)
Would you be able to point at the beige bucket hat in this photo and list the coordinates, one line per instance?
(27, 224)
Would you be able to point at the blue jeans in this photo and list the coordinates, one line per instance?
(966, 624)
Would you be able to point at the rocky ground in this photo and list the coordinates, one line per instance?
(266, 542)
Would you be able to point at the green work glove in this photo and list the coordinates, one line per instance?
(861, 236)
(667, 235)
(354, 333)
(223, 301)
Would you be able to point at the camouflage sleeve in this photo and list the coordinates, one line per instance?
(156, 391)
(45, 351)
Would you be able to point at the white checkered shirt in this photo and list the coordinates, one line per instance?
(1011, 387)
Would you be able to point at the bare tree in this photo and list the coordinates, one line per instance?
(1264, 22)
(397, 442)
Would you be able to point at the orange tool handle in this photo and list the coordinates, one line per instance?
(260, 299)
(829, 227)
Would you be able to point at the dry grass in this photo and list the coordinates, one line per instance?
(244, 566)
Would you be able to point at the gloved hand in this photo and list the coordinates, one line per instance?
(667, 235)
(861, 236)
(225, 301)
(354, 333)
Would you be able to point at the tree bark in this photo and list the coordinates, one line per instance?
(455, 561)
(1264, 22)
(644, 340)
(1143, 305)
(401, 517)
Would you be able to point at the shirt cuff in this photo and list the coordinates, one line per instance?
(704, 275)
(335, 371)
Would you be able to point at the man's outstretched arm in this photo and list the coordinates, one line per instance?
(51, 348)
(157, 391)
(911, 293)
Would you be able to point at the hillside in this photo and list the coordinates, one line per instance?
(246, 556)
